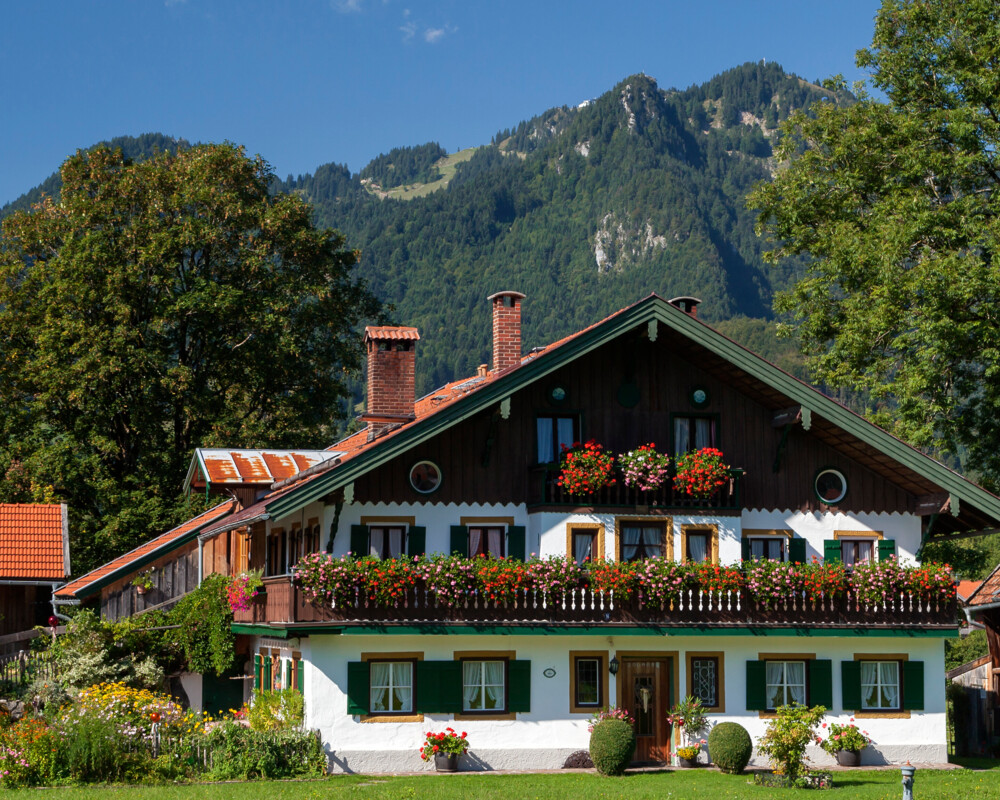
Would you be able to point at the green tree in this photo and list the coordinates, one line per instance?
(897, 204)
(156, 307)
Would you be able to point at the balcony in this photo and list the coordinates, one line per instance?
(282, 603)
(544, 490)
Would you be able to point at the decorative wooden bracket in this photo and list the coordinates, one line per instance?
(955, 505)
(349, 493)
(652, 328)
(505, 408)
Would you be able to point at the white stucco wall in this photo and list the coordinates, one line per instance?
(545, 736)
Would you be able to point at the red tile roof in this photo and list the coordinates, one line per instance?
(988, 592)
(391, 332)
(967, 588)
(255, 467)
(33, 543)
(123, 565)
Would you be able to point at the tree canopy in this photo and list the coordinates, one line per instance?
(897, 203)
(157, 307)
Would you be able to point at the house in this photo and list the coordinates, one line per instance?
(473, 468)
(34, 559)
(982, 608)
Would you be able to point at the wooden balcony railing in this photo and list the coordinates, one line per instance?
(545, 490)
(284, 603)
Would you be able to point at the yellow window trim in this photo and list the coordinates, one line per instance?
(874, 713)
(603, 677)
(857, 535)
(586, 526)
(747, 533)
(388, 521)
(713, 540)
(485, 655)
(396, 656)
(782, 657)
(668, 532)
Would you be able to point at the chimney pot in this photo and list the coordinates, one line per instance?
(689, 305)
(506, 329)
(391, 376)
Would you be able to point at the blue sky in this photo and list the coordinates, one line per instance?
(311, 81)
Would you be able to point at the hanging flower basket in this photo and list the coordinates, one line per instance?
(586, 468)
(701, 473)
(644, 468)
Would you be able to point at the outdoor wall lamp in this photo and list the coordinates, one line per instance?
(613, 665)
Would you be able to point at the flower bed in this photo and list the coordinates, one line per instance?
(453, 581)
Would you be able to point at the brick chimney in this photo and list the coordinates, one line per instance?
(689, 305)
(392, 358)
(506, 329)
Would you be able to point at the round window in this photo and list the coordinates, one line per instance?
(425, 477)
(831, 486)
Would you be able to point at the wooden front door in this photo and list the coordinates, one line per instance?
(644, 687)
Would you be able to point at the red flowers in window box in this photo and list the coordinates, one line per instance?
(586, 468)
(701, 473)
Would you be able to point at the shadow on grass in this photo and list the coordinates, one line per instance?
(975, 762)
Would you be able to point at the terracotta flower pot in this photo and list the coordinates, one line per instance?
(445, 762)
(849, 758)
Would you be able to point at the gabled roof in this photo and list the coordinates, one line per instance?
(34, 542)
(830, 421)
(988, 593)
(136, 559)
(225, 466)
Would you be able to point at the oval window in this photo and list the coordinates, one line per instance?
(425, 477)
(831, 486)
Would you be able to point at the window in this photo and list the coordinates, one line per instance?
(425, 477)
(553, 432)
(589, 685)
(584, 545)
(880, 685)
(391, 687)
(771, 548)
(640, 540)
(786, 683)
(856, 551)
(486, 540)
(705, 680)
(386, 541)
(698, 547)
(830, 486)
(277, 553)
(484, 686)
(693, 433)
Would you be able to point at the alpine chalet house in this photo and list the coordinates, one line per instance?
(473, 469)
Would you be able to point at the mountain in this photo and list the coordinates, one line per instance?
(584, 209)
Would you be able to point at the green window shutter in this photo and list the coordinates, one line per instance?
(256, 672)
(358, 688)
(519, 691)
(913, 685)
(850, 685)
(288, 675)
(820, 682)
(886, 549)
(745, 549)
(300, 676)
(832, 552)
(756, 685)
(797, 551)
(450, 687)
(459, 541)
(359, 540)
(416, 544)
(266, 678)
(428, 688)
(515, 542)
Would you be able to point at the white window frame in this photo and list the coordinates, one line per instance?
(482, 685)
(784, 681)
(372, 687)
(866, 687)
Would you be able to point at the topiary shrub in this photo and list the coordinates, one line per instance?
(612, 744)
(730, 747)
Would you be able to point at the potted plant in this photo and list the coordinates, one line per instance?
(845, 743)
(701, 473)
(644, 468)
(143, 582)
(687, 756)
(243, 589)
(585, 468)
(445, 748)
(688, 715)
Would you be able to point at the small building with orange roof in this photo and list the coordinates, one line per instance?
(34, 560)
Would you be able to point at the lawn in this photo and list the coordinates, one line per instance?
(880, 785)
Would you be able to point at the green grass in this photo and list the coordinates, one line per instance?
(447, 165)
(865, 785)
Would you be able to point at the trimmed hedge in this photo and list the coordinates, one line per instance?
(730, 747)
(612, 744)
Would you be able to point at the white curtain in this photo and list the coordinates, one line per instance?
(795, 681)
(494, 684)
(475, 535)
(564, 433)
(543, 426)
(380, 686)
(702, 433)
(375, 537)
(582, 548)
(472, 679)
(402, 687)
(495, 542)
(775, 672)
(682, 435)
(757, 548)
(889, 678)
(869, 684)
(395, 542)
(631, 538)
(698, 547)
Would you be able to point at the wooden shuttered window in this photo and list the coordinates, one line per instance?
(745, 549)
(288, 675)
(358, 688)
(819, 683)
(256, 671)
(439, 687)
(459, 541)
(797, 551)
(359, 540)
(850, 685)
(519, 686)
(516, 542)
(913, 685)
